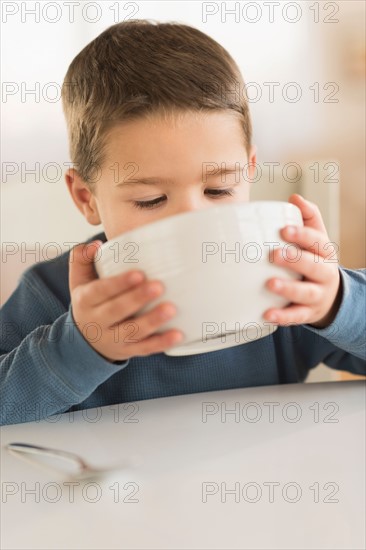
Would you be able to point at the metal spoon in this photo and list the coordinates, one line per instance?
(84, 471)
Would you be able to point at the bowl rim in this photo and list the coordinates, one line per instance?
(250, 205)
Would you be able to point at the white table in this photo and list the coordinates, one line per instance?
(287, 483)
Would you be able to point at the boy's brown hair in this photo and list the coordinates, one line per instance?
(139, 68)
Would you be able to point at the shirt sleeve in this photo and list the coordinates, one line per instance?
(46, 364)
(348, 330)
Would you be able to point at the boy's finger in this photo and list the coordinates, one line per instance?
(292, 314)
(312, 240)
(157, 343)
(137, 328)
(305, 263)
(102, 291)
(81, 264)
(297, 292)
(310, 212)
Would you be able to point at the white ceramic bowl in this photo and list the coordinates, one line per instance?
(214, 264)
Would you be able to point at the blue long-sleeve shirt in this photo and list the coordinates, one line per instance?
(47, 367)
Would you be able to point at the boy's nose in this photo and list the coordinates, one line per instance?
(188, 204)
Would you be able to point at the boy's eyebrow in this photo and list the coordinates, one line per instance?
(155, 180)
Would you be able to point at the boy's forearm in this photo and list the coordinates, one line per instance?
(52, 369)
(347, 330)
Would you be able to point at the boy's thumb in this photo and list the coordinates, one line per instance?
(81, 264)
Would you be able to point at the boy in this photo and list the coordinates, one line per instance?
(146, 104)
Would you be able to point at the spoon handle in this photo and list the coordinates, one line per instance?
(37, 449)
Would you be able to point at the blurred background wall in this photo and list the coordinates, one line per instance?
(304, 63)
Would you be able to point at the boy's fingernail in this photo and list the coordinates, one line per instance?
(135, 277)
(167, 312)
(291, 230)
(277, 284)
(272, 317)
(154, 289)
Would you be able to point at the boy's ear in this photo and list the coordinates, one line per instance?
(82, 197)
(252, 161)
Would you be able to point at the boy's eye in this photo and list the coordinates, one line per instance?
(159, 200)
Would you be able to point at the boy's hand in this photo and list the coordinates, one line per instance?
(316, 298)
(102, 309)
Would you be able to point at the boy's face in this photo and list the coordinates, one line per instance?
(181, 155)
